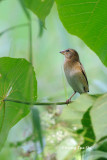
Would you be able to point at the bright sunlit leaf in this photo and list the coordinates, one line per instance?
(99, 117)
(74, 112)
(87, 20)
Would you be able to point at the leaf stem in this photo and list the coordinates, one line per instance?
(36, 103)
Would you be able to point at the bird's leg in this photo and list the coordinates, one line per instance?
(69, 100)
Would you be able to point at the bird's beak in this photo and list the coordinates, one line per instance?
(62, 52)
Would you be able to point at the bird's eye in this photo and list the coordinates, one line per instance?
(67, 50)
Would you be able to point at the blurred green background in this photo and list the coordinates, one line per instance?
(48, 64)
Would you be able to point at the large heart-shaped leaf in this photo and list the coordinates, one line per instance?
(87, 20)
(99, 117)
(40, 7)
(17, 82)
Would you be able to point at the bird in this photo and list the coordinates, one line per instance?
(74, 72)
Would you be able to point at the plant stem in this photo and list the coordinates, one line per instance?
(30, 29)
(36, 103)
(30, 42)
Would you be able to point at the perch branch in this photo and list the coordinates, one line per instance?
(37, 103)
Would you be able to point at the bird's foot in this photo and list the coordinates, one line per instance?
(68, 101)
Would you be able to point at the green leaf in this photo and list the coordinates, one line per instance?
(95, 155)
(89, 137)
(99, 117)
(40, 7)
(41, 28)
(97, 152)
(37, 127)
(87, 20)
(75, 111)
(68, 146)
(17, 82)
(102, 146)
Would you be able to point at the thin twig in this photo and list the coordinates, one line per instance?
(36, 103)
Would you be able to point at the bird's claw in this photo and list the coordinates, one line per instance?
(68, 101)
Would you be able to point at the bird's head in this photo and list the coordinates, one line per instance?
(70, 54)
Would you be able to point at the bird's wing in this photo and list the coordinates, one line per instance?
(83, 71)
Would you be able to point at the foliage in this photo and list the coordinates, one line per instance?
(40, 8)
(66, 132)
(99, 118)
(85, 19)
(89, 137)
(17, 81)
(76, 110)
(37, 127)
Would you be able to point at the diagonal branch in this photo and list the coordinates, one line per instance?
(13, 27)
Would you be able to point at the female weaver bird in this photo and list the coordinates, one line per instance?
(75, 72)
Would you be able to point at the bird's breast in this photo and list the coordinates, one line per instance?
(70, 75)
(74, 78)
